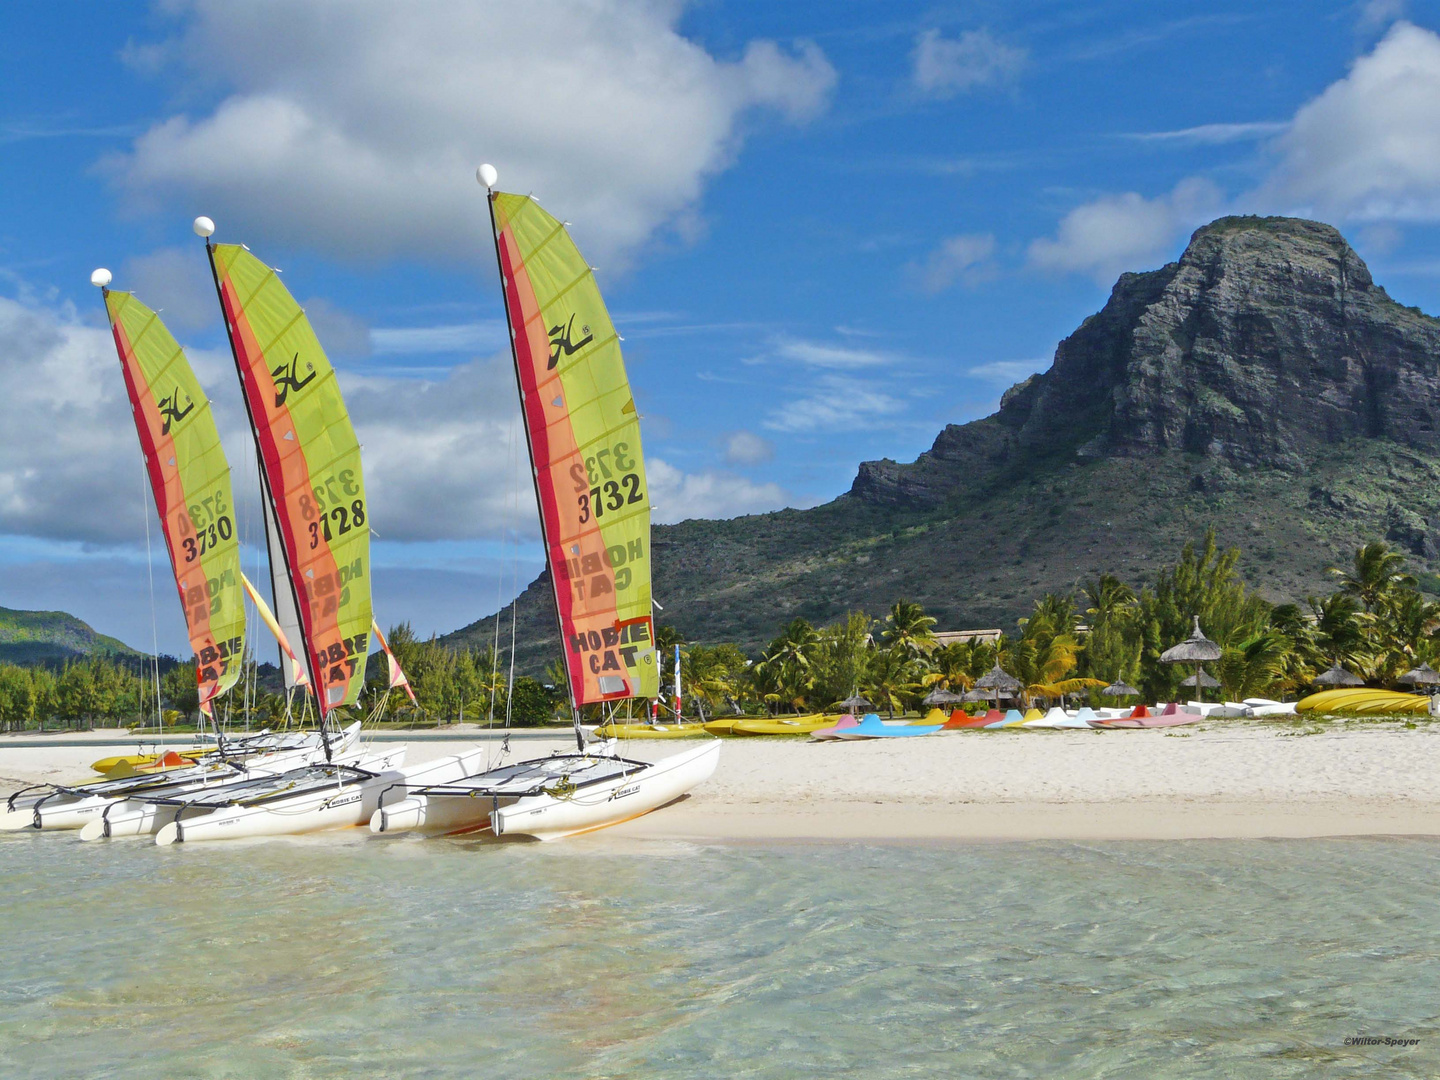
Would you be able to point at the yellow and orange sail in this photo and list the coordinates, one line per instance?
(310, 469)
(584, 436)
(190, 479)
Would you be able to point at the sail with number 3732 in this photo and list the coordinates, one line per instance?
(583, 434)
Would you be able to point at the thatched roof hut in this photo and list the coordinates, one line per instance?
(1424, 675)
(1120, 688)
(1337, 676)
(1201, 678)
(855, 703)
(940, 696)
(999, 680)
(1196, 649)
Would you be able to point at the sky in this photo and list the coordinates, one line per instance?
(824, 230)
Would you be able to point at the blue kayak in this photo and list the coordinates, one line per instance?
(872, 727)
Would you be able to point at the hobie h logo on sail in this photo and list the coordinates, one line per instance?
(169, 407)
(287, 378)
(560, 342)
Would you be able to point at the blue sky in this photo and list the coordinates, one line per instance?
(824, 229)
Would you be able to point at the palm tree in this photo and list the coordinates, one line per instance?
(787, 663)
(893, 679)
(908, 628)
(1376, 574)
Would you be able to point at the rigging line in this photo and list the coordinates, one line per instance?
(150, 569)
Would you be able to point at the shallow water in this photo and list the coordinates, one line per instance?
(349, 955)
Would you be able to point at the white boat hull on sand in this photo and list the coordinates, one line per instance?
(345, 805)
(76, 811)
(553, 816)
(140, 817)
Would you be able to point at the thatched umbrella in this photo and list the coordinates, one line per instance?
(1200, 678)
(855, 703)
(1338, 676)
(1120, 688)
(975, 695)
(1196, 649)
(1424, 675)
(940, 696)
(998, 680)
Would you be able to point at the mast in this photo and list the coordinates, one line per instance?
(205, 228)
(487, 176)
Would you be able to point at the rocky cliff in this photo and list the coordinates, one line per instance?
(1263, 385)
(1266, 342)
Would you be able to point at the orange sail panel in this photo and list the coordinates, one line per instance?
(392, 666)
(310, 458)
(584, 437)
(191, 482)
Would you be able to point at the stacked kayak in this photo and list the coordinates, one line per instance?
(1364, 702)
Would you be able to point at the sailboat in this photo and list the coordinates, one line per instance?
(583, 436)
(190, 482)
(317, 527)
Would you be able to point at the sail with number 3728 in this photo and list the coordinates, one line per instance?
(309, 467)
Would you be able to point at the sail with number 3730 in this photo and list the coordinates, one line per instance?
(190, 479)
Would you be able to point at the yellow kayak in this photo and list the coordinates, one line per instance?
(141, 762)
(724, 726)
(649, 731)
(933, 717)
(1364, 701)
(783, 725)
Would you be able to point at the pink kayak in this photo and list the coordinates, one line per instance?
(824, 734)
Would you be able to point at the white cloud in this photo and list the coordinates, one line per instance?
(1115, 233)
(747, 448)
(834, 403)
(1375, 14)
(356, 128)
(487, 335)
(679, 496)
(1215, 134)
(965, 258)
(818, 355)
(945, 67)
(1007, 371)
(1368, 148)
(175, 282)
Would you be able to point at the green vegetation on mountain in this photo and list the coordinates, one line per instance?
(53, 637)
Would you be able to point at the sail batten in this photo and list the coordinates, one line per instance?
(190, 480)
(584, 439)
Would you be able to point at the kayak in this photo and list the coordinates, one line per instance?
(798, 725)
(649, 731)
(832, 733)
(872, 727)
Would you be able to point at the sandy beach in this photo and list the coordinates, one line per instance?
(1219, 781)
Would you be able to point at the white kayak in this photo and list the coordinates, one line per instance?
(550, 798)
(58, 806)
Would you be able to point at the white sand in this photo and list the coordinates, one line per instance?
(1217, 781)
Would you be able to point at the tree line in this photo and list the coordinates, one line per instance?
(1375, 622)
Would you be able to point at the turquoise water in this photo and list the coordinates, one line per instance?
(356, 956)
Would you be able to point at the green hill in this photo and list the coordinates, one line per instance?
(1263, 385)
(53, 637)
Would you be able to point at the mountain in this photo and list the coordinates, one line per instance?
(1263, 385)
(52, 637)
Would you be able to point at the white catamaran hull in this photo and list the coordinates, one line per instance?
(551, 817)
(77, 811)
(138, 817)
(547, 817)
(352, 803)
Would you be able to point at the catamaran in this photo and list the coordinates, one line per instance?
(583, 436)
